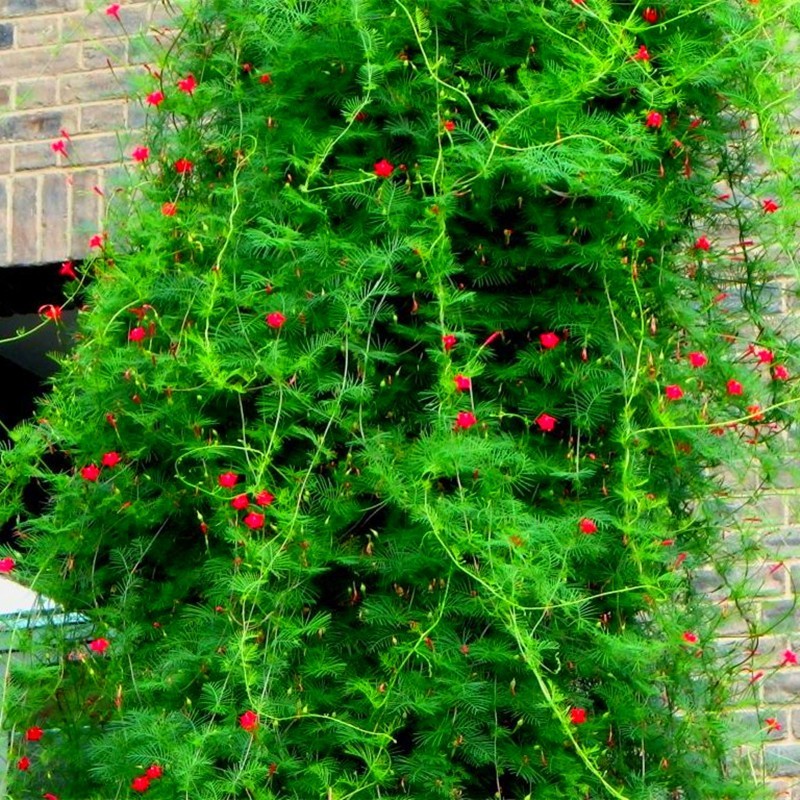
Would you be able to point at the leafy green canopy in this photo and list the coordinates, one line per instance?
(392, 342)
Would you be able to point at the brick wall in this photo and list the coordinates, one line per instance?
(65, 69)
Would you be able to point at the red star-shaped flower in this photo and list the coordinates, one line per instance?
(654, 119)
(140, 154)
(228, 480)
(463, 383)
(99, 645)
(155, 98)
(264, 498)
(383, 169)
(111, 459)
(769, 206)
(734, 387)
(240, 502)
(141, 783)
(249, 721)
(577, 716)
(90, 472)
(465, 420)
(546, 422)
(254, 520)
(187, 84)
(7, 565)
(702, 243)
(549, 340)
(673, 392)
(698, 359)
(641, 54)
(587, 525)
(275, 319)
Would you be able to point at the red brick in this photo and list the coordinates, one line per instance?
(53, 221)
(38, 31)
(34, 156)
(95, 149)
(98, 25)
(35, 62)
(100, 85)
(21, 8)
(102, 117)
(86, 209)
(38, 93)
(23, 220)
(99, 54)
(4, 212)
(44, 124)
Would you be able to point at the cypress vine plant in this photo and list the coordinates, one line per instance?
(388, 446)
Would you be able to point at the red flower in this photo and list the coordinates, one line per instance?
(780, 373)
(96, 240)
(789, 657)
(769, 206)
(689, 637)
(755, 412)
(169, 209)
(249, 721)
(264, 498)
(698, 359)
(449, 341)
(228, 480)
(51, 312)
(265, 78)
(587, 525)
(546, 422)
(654, 119)
(59, 146)
(137, 334)
(702, 243)
(140, 153)
(463, 383)
(765, 356)
(577, 716)
(50, 796)
(141, 783)
(734, 387)
(113, 11)
(183, 166)
(449, 125)
(187, 84)
(111, 459)
(34, 734)
(240, 502)
(111, 420)
(6, 565)
(23, 763)
(155, 98)
(549, 340)
(90, 473)
(154, 771)
(641, 54)
(465, 420)
(99, 645)
(773, 724)
(673, 392)
(650, 15)
(275, 319)
(68, 270)
(254, 520)
(383, 169)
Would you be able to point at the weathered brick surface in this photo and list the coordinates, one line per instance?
(64, 74)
